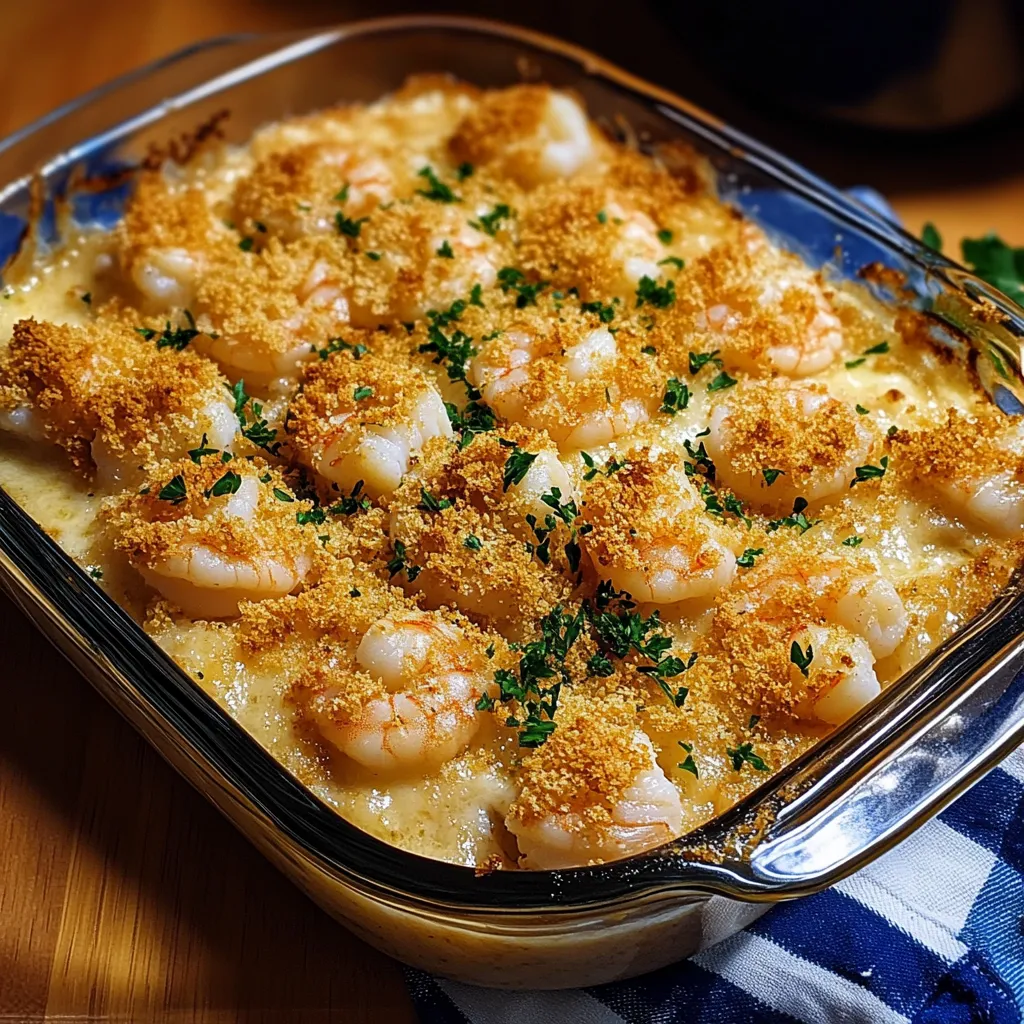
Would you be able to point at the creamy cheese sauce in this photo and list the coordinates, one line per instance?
(518, 496)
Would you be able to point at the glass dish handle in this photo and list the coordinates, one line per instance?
(954, 718)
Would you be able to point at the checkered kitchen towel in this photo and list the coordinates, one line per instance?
(931, 933)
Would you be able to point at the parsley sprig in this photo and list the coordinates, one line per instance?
(512, 279)
(253, 424)
(172, 337)
(437, 190)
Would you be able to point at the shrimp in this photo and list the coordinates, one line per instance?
(530, 133)
(488, 540)
(168, 238)
(303, 189)
(428, 255)
(263, 314)
(433, 678)
(212, 534)
(623, 810)
(583, 385)
(773, 442)
(851, 596)
(973, 464)
(115, 401)
(782, 324)
(362, 417)
(650, 535)
(840, 678)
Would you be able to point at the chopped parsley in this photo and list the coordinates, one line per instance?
(688, 764)
(87, 298)
(870, 472)
(796, 519)
(665, 236)
(744, 754)
(174, 490)
(659, 296)
(348, 227)
(246, 244)
(428, 503)
(464, 171)
(340, 345)
(771, 475)
(876, 350)
(445, 251)
(512, 279)
(172, 337)
(672, 261)
(453, 351)
(698, 360)
(861, 411)
(517, 465)
(361, 392)
(259, 431)
(530, 684)
(95, 572)
(438, 191)
(473, 542)
(611, 466)
(602, 217)
(342, 196)
(676, 397)
(198, 454)
(801, 658)
(746, 560)
(475, 418)
(604, 313)
(227, 484)
(375, 256)
(853, 542)
(721, 382)
(398, 564)
(489, 223)
(282, 495)
(599, 664)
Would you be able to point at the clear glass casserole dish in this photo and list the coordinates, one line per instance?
(851, 797)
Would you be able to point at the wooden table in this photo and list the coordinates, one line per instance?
(123, 895)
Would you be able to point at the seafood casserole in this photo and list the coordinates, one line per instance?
(525, 500)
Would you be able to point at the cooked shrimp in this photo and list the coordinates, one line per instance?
(168, 239)
(849, 595)
(111, 397)
(362, 417)
(583, 385)
(302, 190)
(263, 314)
(651, 536)
(613, 801)
(212, 534)
(426, 255)
(766, 312)
(433, 677)
(973, 465)
(773, 442)
(530, 133)
(472, 541)
(840, 679)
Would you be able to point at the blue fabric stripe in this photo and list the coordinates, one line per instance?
(995, 927)
(684, 993)
(987, 813)
(432, 1005)
(836, 932)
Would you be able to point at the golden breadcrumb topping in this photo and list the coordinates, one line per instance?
(657, 503)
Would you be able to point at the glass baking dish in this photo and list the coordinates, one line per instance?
(921, 743)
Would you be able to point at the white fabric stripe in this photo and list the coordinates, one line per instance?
(936, 870)
(790, 984)
(495, 1006)
(1014, 764)
(869, 892)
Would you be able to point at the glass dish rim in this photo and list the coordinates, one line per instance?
(395, 874)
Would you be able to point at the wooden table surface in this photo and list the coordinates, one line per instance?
(123, 895)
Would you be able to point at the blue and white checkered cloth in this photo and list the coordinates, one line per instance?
(931, 933)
